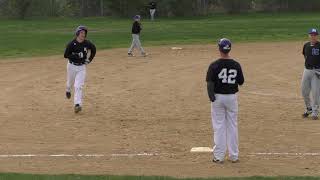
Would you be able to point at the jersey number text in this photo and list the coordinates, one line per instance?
(228, 76)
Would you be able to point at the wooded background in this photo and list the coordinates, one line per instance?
(166, 8)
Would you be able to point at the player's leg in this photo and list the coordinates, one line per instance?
(218, 115)
(133, 44)
(152, 12)
(78, 87)
(232, 128)
(306, 89)
(315, 88)
(138, 43)
(71, 74)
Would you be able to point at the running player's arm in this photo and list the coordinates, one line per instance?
(211, 78)
(93, 51)
(68, 53)
(140, 26)
(240, 77)
(304, 51)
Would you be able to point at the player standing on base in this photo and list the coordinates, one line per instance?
(80, 52)
(223, 77)
(311, 75)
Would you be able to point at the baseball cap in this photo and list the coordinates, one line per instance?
(224, 45)
(136, 17)
(314, 31)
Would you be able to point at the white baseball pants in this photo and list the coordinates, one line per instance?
(76, 76)
(224, 113)
(152, 12)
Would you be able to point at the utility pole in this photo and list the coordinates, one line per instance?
(101, 8)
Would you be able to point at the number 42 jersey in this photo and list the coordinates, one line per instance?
(226, 74)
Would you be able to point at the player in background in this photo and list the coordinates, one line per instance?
(223, 77)
(153, 7)
(311, 75)
(79, 52)
(136, 29)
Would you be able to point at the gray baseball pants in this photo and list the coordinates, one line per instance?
(136, 43)
(311, 85)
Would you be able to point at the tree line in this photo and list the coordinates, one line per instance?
(127, 8)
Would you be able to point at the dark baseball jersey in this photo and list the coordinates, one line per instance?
(312, 55)
(77, 52)
(136, 27)
(153, 5)
(226, 74)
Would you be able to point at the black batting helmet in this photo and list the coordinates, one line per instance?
(81, 28)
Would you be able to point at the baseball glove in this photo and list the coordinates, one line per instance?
(317, 72)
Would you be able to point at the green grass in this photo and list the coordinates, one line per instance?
(80, 177)
(38, 37)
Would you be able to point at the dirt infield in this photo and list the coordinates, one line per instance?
(156, 104)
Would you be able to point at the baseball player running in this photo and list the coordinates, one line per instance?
(136, 29)
(223, 77)
(311, 75)
(80, 52)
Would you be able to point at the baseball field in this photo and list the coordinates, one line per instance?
(142, 115)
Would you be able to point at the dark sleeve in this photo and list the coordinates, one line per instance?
(68, 52)
(240, 77)
(210, 89)
(133, 27)
(93, 51)
(303, 50)
(211, 74)
(139, 27)
(211, 82)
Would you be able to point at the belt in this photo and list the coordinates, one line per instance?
(76, 64)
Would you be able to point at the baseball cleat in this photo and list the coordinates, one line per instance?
(68, 95)
(307, 113)
(77, 108)
(215, 160)
(235, 161)
(314, 117)
(130, 55)
(144, 54)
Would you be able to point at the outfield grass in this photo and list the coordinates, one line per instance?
(38, 37)
(79, 177)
